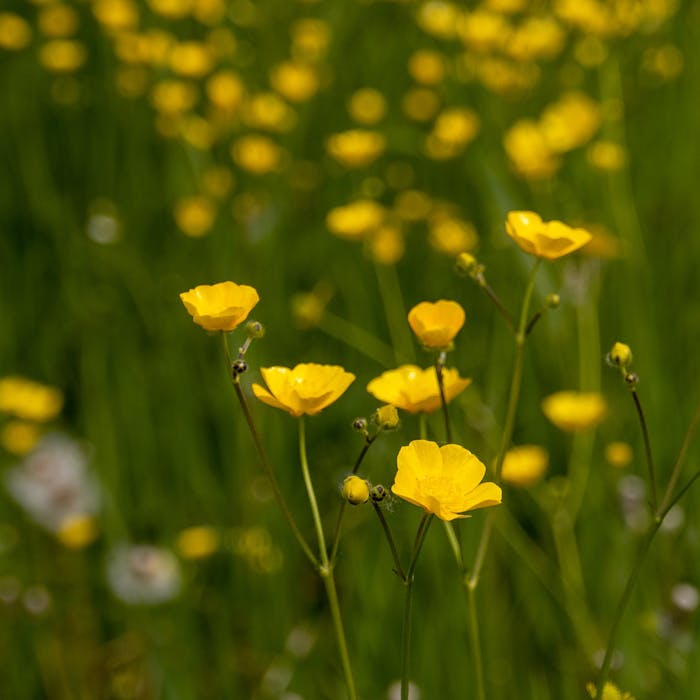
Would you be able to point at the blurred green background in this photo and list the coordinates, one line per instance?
(128, 179)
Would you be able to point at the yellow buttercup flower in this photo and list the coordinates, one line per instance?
(195, 215)
(29, 400)
(306, 389)
(572, 411)
(356, 220)
(436, 324)
(78, 531)
(15, 32)
(220, 307)
(416, 390)
(545, 239)
(443, 480)
(198, 542)
(524, 465)
(295, 81)
(356, 148)
(355, 490)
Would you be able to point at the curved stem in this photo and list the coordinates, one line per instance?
(390, 540)
(647, 450)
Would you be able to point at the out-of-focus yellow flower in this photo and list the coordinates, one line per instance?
(195, 215)
(529, 151)
(618, 454)
(29, 400)
(456, 126)
(62, 55)
(295, 81)
(367, 106)
(220, 307)
(436, 323)
(443, 480)
(198, 542)
(603, 244)
(506, 7)
(545, 239)
(590, 16)
(132, 81)
(355, 490)
(356, 148)
(452, 236)
(191, 59)
(197, 132)
(536, 38)
(570, 122)
(15, 32)
(412, 205)
(268, 111)
(172, 9)
(420, 104)
(304, 390)
(572, 411)
(257, 154)
(524, 465)
(78, 531)
(356, 220)
(590, 51)
(665, 62)
(607, 155)
(58, 21)
(310, 39)
(217, 181)
(484, 31)
(416, 390)
(173, 96)
(19, 437)
(386, 245)
(116, 15)
(427, 67)
(156, 47)
(438, 18)
(225, 90)
(610, 692)
(209, 12)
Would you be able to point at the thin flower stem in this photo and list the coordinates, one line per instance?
(439, 366)
(647, 450)
(408, 582)
(497, 302)
(267, 468)
(454, 544)
(390, 539)
(325, 569)
(423, 426)
(395, 311)
(477, 656)
(533, 321)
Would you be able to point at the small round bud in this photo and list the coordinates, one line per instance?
(552, 301)
(377, 493)
(466, 263)
(387, 417)
(632, 379)
(620, 355)
(355, 490)
(255, 329)
(238, 367)
(360, 425)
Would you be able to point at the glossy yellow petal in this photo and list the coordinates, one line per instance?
(220, 307)
(550, 240)
(436, 324)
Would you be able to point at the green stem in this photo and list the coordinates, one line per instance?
(325, 569)
(423, 426)
(647, 450)
(390, 539)
(439, 366)
(481, 281)
(476, 644)
(395, 311)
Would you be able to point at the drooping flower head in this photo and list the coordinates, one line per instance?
(572, 411)
(436, 324)
(544, 239)
(443, 480)
(220, 307)
(416, 390)
(305, 389)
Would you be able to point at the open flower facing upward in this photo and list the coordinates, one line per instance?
(443, 480)
(545, 239)
(416, 390)
(436, 324)
(306, 389)
(220, 307)
(572, 411)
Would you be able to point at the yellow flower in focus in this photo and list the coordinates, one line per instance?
(78, 531)
(572, 411)
(195, 215)
(257, 154)
(427, 67)
(198, 542)
(225, 90)
(545, 239)
(191, 59)
(618, 454)
(356, 220)
(524, 465)
(62, 55)
(18, 437)
(416, 390)
(15, 32)
(387, 417)
(452, 236)
(355, 490)
(610, 692)
(620, 355)
(29, 400)
(436, 324)
(386, 245)
(297, 82)
(304, 390)
(220, 307)
(367, 106)
(443, 480)
(58, 21)
(356, 148)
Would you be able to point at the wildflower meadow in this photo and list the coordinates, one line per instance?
(349, 350)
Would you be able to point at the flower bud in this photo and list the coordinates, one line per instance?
(377, 493)
(632, 379)
(620, 355)
(355, 490)
(552, 301)
(466, 263)
(387, 417)
(238, 367)
(255, 329)
(360, 425)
